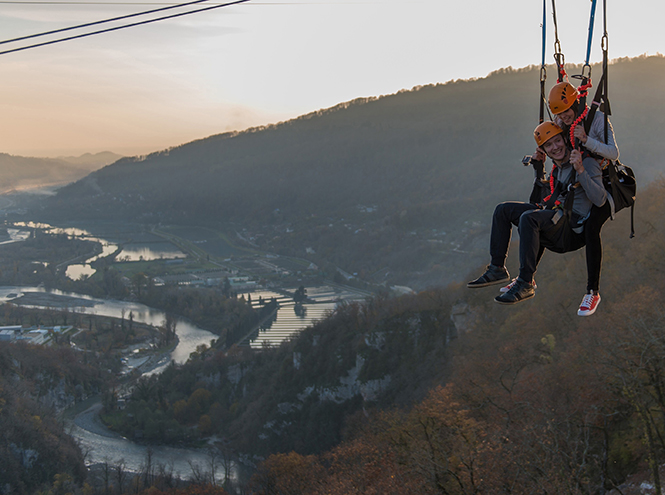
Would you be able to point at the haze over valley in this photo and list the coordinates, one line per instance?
(34, 174)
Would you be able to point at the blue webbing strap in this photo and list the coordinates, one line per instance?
(591, 20)
(544, 31)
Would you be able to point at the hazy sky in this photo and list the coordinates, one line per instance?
(150, 87)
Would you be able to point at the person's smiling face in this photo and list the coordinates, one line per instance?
(556, 148)
(567, 117)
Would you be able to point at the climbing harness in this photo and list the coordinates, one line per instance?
(618, 179)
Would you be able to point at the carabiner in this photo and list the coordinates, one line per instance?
(586, 66)
(583, 76)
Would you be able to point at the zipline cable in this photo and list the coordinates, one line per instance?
(104, 21)
(68, 2)
(172, 16)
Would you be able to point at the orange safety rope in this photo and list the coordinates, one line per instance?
(583, 92)
(545, 200)
(562, 74)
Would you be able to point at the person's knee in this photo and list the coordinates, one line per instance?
(527, 219)
(500, 210)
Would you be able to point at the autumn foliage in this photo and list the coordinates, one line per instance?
(538, 400)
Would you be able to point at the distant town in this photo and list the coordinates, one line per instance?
(32, 335)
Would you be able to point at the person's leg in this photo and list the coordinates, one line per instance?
(594, 245)
(531, 226)
(541, 251)
(509, 286)
(505, 216)
(594, 257)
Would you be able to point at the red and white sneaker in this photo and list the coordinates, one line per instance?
(506, 288)
(589, 304)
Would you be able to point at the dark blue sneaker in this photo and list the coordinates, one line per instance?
(493, 275)
(520, 291)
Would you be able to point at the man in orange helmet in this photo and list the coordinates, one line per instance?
(538, 224)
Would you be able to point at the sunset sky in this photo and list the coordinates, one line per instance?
(150, 87)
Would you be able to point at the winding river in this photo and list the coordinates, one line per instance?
(102, 445)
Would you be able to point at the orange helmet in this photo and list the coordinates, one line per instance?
(546, 131)
(562, 96)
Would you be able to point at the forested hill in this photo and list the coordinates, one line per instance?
(435, 157)
(446, 391)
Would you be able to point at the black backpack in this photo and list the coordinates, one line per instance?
(619, 181)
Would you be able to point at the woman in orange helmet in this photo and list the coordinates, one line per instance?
(564, 104)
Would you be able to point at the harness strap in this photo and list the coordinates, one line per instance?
(557, 187)
(570, 197)
(558, 55)
(592, 18)
(595, 104)
(586, 79)
(543, 70)
(604, 45)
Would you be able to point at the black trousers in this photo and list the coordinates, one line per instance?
(535, 226)
(594, 245)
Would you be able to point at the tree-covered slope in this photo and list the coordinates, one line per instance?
(456, 143)
(446, 388)
(36, 383)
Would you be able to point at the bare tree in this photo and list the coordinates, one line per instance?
(106, 475)
(165, 477)
(121, 474)
(199, 477)
(147, 469)
(226, 459)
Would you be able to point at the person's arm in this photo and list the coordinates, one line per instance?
(595, 141)
(540, 184)
(538, 163)
(590, 177)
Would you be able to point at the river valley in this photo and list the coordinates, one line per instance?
(104, 446)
